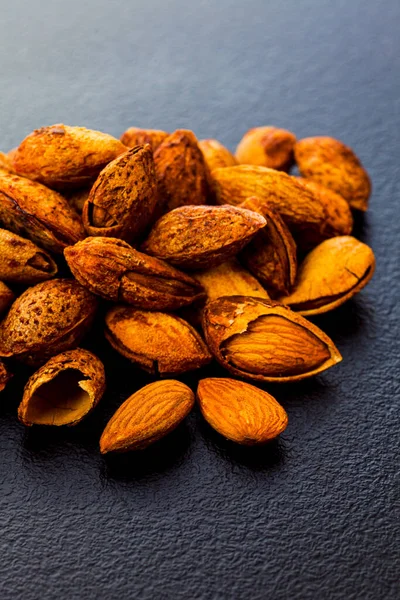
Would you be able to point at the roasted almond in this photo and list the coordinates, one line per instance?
(216, 155)
(112, 269)
(334, 165)
(134, 136)
(6, 297)
(4, 376)
(267, 147)
(271, 254)
(157, 342)
(47, 319)
(62, 157)
(240, 412)
(229, 279)
(121, 202)
(263, 340)
(64, 390)
(330, 274)
(33, 210)
(341, 216)
(147, 416)
(196, 237)
(22, 261)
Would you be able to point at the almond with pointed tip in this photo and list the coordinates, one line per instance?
(267, 147)
(216, 155)
(22, 261)
(134, 136)
(339, 209)
(6, 297)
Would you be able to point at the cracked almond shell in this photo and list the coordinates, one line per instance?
(34, 211)
(134, 136)
(157, 342)
(122, 200)
(115, 271)
(48, 318)
(64, 157)
(216, 155)
(267, 147)
(64, 390)
(200, 237)
(22, 261)
(263, 340)
(6, 297)
(330, 274)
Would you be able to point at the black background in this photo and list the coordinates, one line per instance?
(313, 515)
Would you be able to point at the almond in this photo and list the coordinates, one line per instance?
(229, 279)
(216, 155)
(195, 237)
(339, 210)
(6, 297)
(240, 412)
(4, 376)
(64, 390)
(147, 416)
(22, 261)
(267, 147)
(134, 136)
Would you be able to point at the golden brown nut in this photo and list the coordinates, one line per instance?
(134, 136)
(229, 279)
(6, 297)
(216, 155)
(157, 342)
(65, 157)
(48, 318)
(22, 261)
(121, 202)
(263, 340)
(114, 270)
(4, 376)
(200, 237)
(330, 274)
(334, 165)
(5, 163)
(32, 210)
(339, 210)
(267, 147)
(64, 390)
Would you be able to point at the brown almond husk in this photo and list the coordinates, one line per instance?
(115, 271)
(265, 341)
(267, 147)
(271, 255)
(21, 261)
(122, 201)
(5, 376)
(64, 390)
(134, 136)
(64, 157)
(331, 274)
(157, 342)
(216, 155)
(34, 211)
(6, 297)
(48, 318)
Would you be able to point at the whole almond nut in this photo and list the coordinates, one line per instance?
(182, 172)
(229, 279)
(121, 202)
(240, 412)
(4, 376)
(77, 198)
(334, 165)
(310, 220)
(147, 416)
(196, 237)
(263, 340)
(33, 210)
(22, 261)
(271, 255)
(157, 342)
(115, 271)
(216, 155)
(65, 157)
(6, 297)
(267, 147)
(134, 136)
(64, 390)
(47, 319)
(340, 214)
(330, 274)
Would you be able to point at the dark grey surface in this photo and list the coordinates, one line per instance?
(315, 515)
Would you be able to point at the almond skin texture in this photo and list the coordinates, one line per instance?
(200, 237)
(64, 390)
(331, 163)
(182, 172)
(262, 340)
(134, 136)
(330, 274)
(4, 376)
(115, 271)
(47, 319)
(34, 211)
(267, 147)
(157, 342)
(22, 261)
(6, 297)
(229, 279)
(147, 416)
(240, 412)
(63, 157)
(121, 202)
(309, 220)
(216, 155)
(271, 255)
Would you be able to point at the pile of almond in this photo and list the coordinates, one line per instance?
(197, 255)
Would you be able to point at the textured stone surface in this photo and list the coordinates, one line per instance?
(313, 516)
